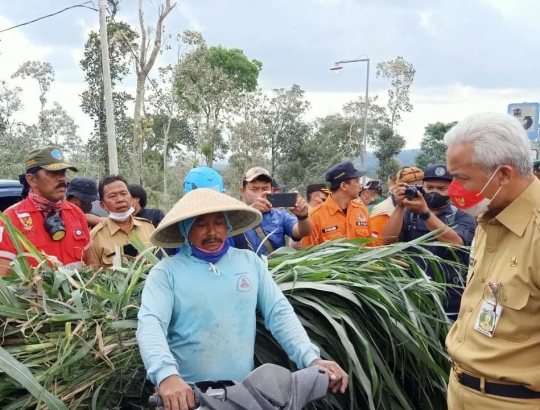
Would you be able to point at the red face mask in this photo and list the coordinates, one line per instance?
(462, 198)
(472, 202)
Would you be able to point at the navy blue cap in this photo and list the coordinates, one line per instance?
(83, 188)
(277, 185)
(437, 171)
(341, 172)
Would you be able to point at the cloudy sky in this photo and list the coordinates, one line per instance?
(469, 55)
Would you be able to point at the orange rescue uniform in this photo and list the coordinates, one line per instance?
(30, 222)
(330, 222)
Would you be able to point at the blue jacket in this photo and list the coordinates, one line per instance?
(198, 320)
(276, 223)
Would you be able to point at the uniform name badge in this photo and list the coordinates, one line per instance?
(490, 312)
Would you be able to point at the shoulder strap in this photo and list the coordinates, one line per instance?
(450, 219)
(264, 240)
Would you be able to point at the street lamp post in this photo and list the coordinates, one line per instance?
(336, 68)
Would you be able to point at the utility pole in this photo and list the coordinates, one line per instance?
(107, 85)
(336, 68)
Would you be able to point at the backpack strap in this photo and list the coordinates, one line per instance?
(264, 240)
(450, 219)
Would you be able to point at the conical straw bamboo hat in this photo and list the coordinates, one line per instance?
(199, 202)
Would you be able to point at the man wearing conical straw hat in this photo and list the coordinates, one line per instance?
(197, 317)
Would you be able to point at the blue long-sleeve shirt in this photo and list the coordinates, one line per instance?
(276, 223)
(198, 320)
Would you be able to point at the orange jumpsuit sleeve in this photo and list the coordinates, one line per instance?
(7, 247)
(377, 227)
(314, 238)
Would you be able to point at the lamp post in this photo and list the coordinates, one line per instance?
(336, 68)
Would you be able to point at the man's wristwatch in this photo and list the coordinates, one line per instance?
(424, 216)
(303, 218)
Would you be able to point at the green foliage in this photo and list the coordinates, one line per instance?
(284, 127)
(365, 312)
(243, 72)
(387, 146)
(432, 145)
(209, 84)
(401, 75)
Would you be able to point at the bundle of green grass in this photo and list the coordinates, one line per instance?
(68, 336)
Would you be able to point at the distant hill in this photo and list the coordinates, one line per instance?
(406, 157)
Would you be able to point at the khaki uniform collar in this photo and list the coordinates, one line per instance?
(114, 227)
(517, 215)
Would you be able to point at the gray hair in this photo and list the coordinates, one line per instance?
(497, 139)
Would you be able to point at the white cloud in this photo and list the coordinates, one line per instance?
(15, 49)
(194, 23)
(425, 19)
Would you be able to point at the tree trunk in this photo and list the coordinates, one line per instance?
(144, 65)
(137, 130)
(166, 130)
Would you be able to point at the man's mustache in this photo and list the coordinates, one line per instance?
(61, 185)
(212, 239)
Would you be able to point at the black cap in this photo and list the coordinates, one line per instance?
(341, 172)
(437, 171)
(317, 187)
(83, 188)
(277, 185)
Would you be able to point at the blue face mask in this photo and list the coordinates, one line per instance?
(208, 256)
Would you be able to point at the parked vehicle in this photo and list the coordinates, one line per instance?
(10, 193)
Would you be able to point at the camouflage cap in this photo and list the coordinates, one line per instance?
(256, 172)
(49, 158)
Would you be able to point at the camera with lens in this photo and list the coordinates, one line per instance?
(411, 191)
(54, 225)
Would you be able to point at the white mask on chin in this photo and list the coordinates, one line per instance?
(123, 216)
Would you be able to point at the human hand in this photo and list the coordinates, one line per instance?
(399, 194)
(296, 245)
(416, 205)
(301, 207)
(176, 394)
(339, 379)
(262, 204)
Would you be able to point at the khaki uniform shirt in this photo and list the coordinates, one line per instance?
(107, 235)
(506, 250)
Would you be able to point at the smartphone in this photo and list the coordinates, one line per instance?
(130, 250)
(282, 200)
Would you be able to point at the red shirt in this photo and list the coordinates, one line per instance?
(30, 222)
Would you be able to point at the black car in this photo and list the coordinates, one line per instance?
(10, 193)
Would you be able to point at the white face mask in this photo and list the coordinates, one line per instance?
(483, 206)
(121, 217)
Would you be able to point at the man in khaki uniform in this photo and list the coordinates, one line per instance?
(495, 341)
(120, 226)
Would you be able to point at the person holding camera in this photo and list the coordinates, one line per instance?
(53, 225)
(421, 209)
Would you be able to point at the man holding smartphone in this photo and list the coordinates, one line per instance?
(276, 223)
